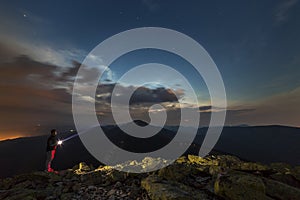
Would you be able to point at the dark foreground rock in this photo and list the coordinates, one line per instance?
(210, 178)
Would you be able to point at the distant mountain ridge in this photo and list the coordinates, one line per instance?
(264, 144)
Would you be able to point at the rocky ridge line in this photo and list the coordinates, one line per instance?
(213, 177)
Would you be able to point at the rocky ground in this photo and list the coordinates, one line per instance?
(214, 177)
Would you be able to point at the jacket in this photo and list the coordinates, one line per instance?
(52, 143)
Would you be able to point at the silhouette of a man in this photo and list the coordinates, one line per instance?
(52, 143)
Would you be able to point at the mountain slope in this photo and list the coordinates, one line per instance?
(264, 144)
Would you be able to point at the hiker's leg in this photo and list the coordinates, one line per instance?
(48, 160)
(52, 155)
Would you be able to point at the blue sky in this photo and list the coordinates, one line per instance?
(255, 44)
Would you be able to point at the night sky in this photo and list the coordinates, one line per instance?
(255, 44)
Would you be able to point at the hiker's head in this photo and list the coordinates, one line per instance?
(53, 132)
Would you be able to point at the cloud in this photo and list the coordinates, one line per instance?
(7, 52)
(140, 95)
(38, 52)
(283, 108)
(36, 89)
(261, 112)
(32, 93)
(35, 92)
(205, 108)
(157, 95)
(140, 102)
(282, 11)
(25, 71)
(279, 109)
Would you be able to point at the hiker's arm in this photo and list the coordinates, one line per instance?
(53, 142)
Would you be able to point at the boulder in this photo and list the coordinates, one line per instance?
(240, 186)
(202, 161)
(281, 191)
(7, 183)
(223, 162)
(23, 194)
(296, 172)
(95, 178)
(228, 161)
(147, 164)
(159, 189)
(66, 196)
(251, 166)
(281, 167)
(84, 167)
(288, 179)
(177, 172)
(110, 175)
(214, 170)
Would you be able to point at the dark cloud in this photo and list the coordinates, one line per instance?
(70, 73)
(22, 70)
(157, 95)
(141, 94)
(239, 111)
(205, 108)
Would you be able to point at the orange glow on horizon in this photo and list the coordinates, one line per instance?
(11, 136)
